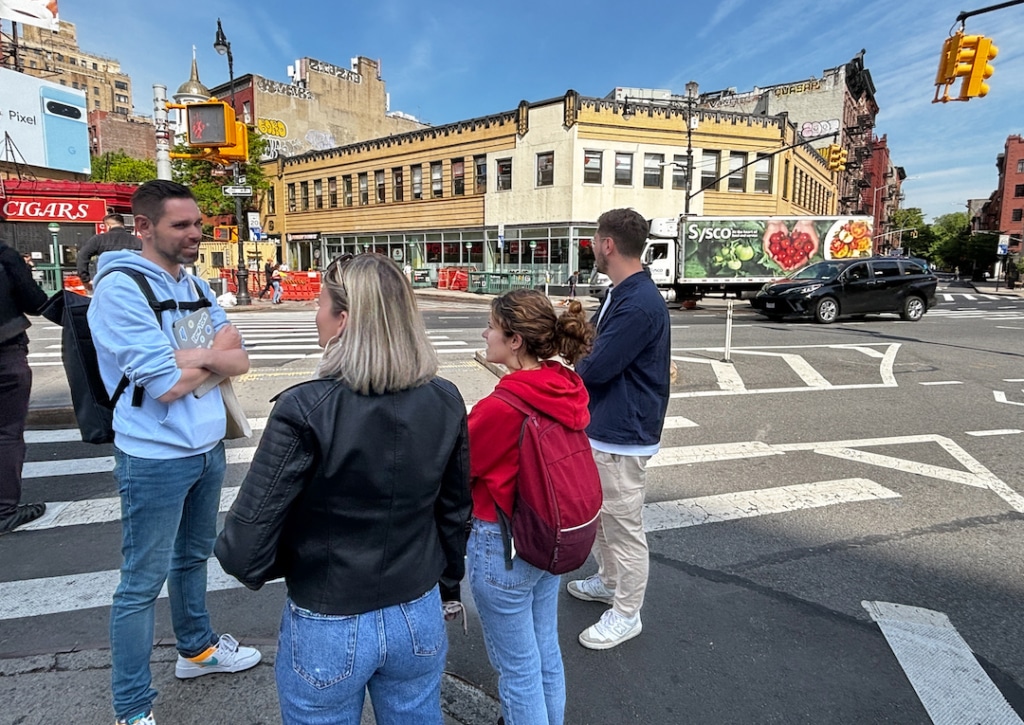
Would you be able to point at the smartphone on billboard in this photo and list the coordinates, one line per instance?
(65, 130)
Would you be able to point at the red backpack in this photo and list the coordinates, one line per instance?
(558, 494)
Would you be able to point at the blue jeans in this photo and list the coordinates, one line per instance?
(277, 292)
(519, 614)
(325, 663)
(168, 526)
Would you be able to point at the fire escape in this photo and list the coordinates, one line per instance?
(855, 181)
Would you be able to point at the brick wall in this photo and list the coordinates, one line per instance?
(113, 132)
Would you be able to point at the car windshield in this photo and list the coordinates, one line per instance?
(821, 270)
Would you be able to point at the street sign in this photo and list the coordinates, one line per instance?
(237, 190)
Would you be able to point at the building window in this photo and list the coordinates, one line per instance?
(96, 104)
(95, 90)
(332, 192)
(62, 81)
(378, 182)
(546, 168)
(73, 61)
(680, 165)
(58, 56)
(436, 180)
(1020, 166)
(785, 180)
(737, 175)
(504, 174)
(623, 169)
(346, 190)
(291, 197)
(592, 161)
(271, 201)
(74, 84)
(32, 64)
(709, 163)
(1018, 190)
(480, 163)
(458, 177)
(122, 111)
(94, 67)
(121, 85)
(654, 171)
(1016, 215)
(364, 189)
(318, 193)
(303, 196)
(417, 182)
(398, 184)
(763, 174)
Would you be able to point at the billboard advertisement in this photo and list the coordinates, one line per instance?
(769, 247)
(30, 12)
(46, 122)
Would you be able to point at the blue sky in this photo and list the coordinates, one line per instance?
(449, 60)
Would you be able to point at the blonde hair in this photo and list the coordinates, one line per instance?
(384, 346)
(529, 313)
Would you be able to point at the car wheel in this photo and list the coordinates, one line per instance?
(826, 310)
(913, 309)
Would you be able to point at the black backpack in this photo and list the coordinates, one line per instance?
(94, 409)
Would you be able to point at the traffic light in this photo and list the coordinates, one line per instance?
(210, 124)
(225, 234)
(832, 155)
(239, 151)
(947, 61)
(974, 56)
(841, 160)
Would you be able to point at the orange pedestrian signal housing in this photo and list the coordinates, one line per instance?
(210, 125)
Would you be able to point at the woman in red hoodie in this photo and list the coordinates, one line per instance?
(519, 606)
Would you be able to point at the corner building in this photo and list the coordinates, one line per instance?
(522, 189)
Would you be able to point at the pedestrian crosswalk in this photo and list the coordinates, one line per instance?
(272, 339)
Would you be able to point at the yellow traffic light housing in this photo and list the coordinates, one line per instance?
(966, 57)
(841, 160)
(239, 151)
(832, 156)
(210, 124)
(225, 234)
(978, 50)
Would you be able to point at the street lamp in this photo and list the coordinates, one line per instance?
(691, 101)
(223, 47)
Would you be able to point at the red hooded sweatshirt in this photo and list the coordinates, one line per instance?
(494, 427)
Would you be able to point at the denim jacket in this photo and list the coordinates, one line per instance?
(627, 372)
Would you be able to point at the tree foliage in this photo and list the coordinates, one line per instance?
(119, 168)
(205, 178)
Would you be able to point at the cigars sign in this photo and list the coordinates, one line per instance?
(49, 209)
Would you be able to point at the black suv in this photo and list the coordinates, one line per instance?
(826, 290)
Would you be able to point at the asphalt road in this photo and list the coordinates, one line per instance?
(805, 472)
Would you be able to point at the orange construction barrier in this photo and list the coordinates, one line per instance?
(460, 281)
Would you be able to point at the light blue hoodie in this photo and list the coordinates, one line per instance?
(129, 340)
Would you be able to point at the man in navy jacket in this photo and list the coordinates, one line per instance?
(627, 376)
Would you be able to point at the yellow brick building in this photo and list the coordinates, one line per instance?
(522, 189)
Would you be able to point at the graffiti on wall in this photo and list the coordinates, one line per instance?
(272, 127)
(320, 140)
(810, 129)
(812, 85)
(265, 85)
(314, 140)
(328, 69)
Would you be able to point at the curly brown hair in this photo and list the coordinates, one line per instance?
(530, 314)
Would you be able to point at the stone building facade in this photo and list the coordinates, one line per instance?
(56, 57)
(522, 189)
(841, 102)
(113, 132)
(321, 107)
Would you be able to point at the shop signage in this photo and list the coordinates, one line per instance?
(47, 209)
(303, 237)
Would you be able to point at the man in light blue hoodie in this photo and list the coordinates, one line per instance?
(168, 450)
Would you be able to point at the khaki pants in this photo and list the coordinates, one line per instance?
(621, 544)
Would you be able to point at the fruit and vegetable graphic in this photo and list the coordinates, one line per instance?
(850, 239)
(790, 251)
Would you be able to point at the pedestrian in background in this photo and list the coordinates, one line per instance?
(115, 238)
(275, 281)
(268, 274)
(519, 606)
(627, 376)
(169, 457)
(358, 495)
(19, 296)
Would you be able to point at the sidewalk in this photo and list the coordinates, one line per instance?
(989, 287)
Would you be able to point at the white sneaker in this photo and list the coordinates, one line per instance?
(611, 630)
(143, 718)
(591, 589)
(227, 656)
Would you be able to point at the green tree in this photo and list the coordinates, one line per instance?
(118, 167)
(206, 178)
(917, 237)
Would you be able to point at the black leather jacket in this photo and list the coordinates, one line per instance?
(359, 502)
(19, 294)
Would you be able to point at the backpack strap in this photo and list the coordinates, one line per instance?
(158, 308)
(504, 518)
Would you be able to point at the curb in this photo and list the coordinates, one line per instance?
(55, 417)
